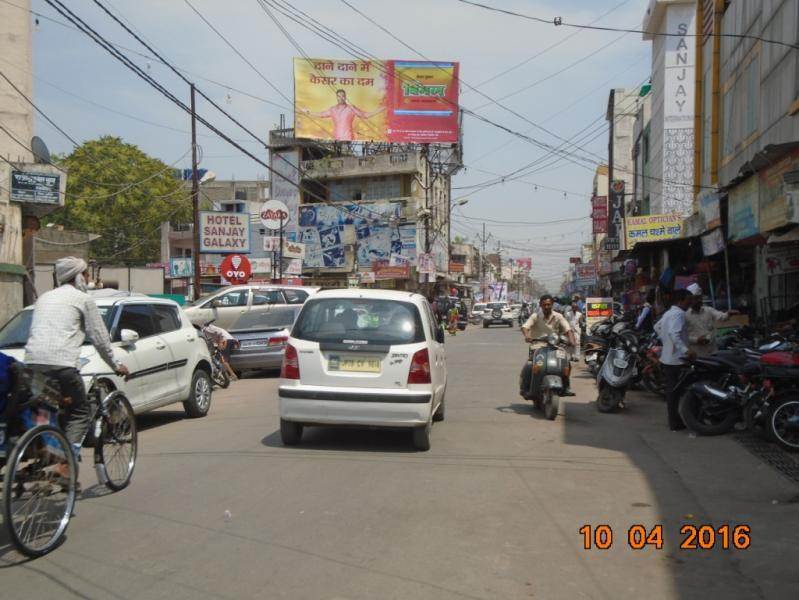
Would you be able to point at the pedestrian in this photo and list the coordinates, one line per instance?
(700, 322)
(646, 317)
(226, 343)
(672, 331)
(575, 318)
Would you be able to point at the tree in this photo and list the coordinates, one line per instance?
(119, 192)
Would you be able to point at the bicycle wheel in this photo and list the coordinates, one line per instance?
(39, 490)
(116, 447)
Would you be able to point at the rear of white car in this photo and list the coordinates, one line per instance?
(363, 357)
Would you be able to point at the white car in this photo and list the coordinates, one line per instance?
(363, 357)
(167, 359)
(497, 313)
(477, 311)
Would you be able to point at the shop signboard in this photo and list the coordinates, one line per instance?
(274, 214)
(261, 265)
(224, 232)
(272, 244)
(792, 201)
(235, 269)
(376, 100)
(781, 258)
(773, 199)
(585, 275)
(367, 277)
(599, 214)
(743, 209)
(42, 188)
(293, 249)
(597, 309)
(456, 267)
(713, 242)
(293, 267)
(615, 216)
(652, 228)
(383, 270)
(710, 207)
(181, 267)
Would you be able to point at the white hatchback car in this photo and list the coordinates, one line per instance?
(167, 359)
(363, 357)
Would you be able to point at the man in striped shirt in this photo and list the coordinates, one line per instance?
(62, 320)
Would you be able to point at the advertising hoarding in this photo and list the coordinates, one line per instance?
(652, 228)
(224, 232)
(381, 101)
(597, 309)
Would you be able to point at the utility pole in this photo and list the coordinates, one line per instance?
(483, 240)
(195, 199)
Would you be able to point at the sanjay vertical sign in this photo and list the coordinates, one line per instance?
(615, 216)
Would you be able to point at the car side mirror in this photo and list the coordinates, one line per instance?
(439, 335)
(216, 303)
(128, 337)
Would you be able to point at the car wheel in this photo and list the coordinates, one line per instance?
(440, 411)
(290, 432)
(421, 437)
(485, 325)
(199, 400)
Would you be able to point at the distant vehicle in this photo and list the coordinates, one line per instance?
(497, 313)
(477, 312)
(363, 357)
(227, 305)
(262, 338)
(168, 360)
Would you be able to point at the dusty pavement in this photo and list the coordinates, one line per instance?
(218, 508)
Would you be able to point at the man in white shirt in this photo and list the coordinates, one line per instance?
(672, 332)
(700, 323)
(542, 323)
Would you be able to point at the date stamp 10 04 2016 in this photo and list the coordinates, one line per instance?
(692, 537)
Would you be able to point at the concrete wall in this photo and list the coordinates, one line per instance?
(135, 279)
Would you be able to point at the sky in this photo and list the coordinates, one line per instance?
(560, 82)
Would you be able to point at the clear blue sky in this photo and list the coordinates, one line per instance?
(562, 96)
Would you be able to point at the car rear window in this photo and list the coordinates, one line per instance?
(494, 305)
(340, 320)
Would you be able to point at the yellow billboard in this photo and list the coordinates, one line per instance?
(652, 228)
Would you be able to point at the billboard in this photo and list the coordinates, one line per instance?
(224, 232)
(380, 101)
(652, 228)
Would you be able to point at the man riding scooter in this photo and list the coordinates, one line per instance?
(538, 327)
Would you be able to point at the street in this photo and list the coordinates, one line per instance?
(218, 508)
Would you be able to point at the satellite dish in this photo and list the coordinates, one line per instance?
(41, 155)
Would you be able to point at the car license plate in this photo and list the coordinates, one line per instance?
(620, 363)
(253, 343)
(590, 358)
(353, 364)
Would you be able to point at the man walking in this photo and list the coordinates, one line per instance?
(575, 318)
(700, 323)
(672, 331)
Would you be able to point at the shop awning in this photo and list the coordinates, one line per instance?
(792, 235)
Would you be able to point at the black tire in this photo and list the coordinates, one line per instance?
(510, 324)
(609, 399)
(551, 405)
(421, 437)
(290, 432)
(199, 401)
(440, 413)
(221, 379)
(783, 423)
(32, 478)
(485, 325)
(690, 409)
(117, 445)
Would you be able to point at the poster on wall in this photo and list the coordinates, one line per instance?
(378, 100)
(615, 216)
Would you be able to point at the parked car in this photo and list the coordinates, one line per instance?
(497, 313)
(363, 357)
(227, 305)
(262, 338)
(167, 358)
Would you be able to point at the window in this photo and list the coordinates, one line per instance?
(383, 322)
(166, 318)
(296, 296)
(240, 195)
(261, 297)
(236, 298)
(137, 317)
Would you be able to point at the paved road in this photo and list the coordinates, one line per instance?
(219, 509)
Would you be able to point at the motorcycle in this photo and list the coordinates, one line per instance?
(618, 371)
(543, 377)
(649, 357)
(780, 371)
(219, 375)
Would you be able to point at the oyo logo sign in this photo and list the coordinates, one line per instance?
(236, 269)
(274, 214)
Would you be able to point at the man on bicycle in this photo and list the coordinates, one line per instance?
(62, 319)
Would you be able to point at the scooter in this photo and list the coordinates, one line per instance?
(618, 371)
(543, 377)
(219, 375)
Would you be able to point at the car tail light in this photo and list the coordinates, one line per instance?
(290, 369)
(420, 367)
(278, 341)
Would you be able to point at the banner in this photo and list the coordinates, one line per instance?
(599, 214)
(379, 101)
(525, 264)
(596, 310)
(652, 228)
(615, 216)
(713, 242)
(743, 209)
(585, 275)
(710, 207)
(224, 232)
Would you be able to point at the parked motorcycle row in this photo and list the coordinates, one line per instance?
(747, 384)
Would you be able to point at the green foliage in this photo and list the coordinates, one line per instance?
(117, 191)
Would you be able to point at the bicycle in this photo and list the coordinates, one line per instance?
(40, 480)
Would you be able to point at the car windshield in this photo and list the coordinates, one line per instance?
(479, 307)
(337, 320)
(266, 320)
(15, 333)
